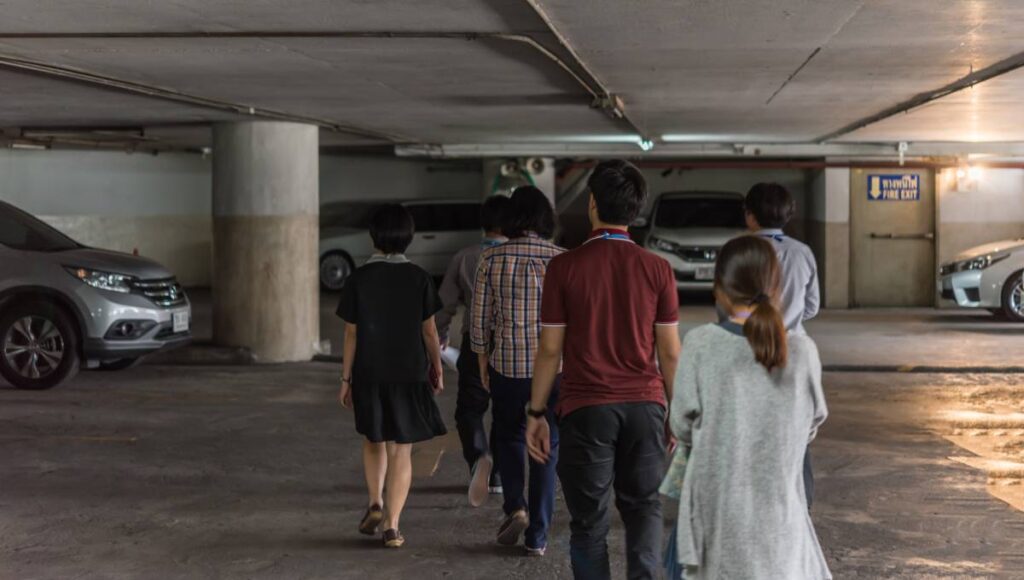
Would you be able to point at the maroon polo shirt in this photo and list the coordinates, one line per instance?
(609, 294)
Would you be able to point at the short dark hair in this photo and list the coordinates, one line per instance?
(619, 191)
(392, 228)
(529, 211)
(771, 205)
(493, 211)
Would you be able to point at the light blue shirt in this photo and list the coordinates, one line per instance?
(801, 298)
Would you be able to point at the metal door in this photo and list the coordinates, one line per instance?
(892, 231)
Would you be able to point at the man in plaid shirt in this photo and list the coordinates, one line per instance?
(504, 329)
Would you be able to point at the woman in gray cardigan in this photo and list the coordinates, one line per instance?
(748, 400)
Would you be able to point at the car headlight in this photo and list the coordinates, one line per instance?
(981, 262)
(664, 245)
(103, 280)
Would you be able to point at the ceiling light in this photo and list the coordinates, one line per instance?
(645, 144)
(28, 145)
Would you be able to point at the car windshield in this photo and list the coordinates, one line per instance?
(700, 212)
(348, 215)
(21, 231)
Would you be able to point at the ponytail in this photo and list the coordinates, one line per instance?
(766, 334)
(748, 273)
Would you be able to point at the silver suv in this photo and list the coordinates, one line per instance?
(63, 305)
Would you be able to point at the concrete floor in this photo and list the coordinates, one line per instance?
(253, 471)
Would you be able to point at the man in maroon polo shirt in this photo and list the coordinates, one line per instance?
(609, 313)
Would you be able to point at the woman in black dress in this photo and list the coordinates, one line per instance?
(392, 366)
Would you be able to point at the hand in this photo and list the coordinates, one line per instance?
(345, 396)
(538, 439)
(437, 379)
(670, 439)
(485, 381)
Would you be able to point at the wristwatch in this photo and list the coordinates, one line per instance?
(536, 414)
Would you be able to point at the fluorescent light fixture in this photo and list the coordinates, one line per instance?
(714, 138)
(28, 146)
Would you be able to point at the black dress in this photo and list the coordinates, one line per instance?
(388, 300)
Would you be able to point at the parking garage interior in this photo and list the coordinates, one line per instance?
(230, 142)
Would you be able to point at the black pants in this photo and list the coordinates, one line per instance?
(808, 478)
(471, 406)
(621, 446)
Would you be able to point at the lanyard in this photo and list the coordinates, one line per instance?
(776, 237)
(486, 243)
(606, 235)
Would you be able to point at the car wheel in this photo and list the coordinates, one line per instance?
(1013, 297)
(335, 268)
(40, 346)
(119, 364)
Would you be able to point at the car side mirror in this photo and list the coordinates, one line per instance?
(640, 222)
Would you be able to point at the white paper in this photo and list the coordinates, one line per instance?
(450, 357)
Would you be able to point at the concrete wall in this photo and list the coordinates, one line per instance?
(161, 204)
(828, 232)
(974, 212)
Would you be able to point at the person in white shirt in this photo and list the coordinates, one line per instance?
(769, 208)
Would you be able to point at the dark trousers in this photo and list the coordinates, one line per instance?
(808, 478)
(622, 446)
(510, 397)
(471, 406)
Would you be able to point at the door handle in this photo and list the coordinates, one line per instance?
(925, 236)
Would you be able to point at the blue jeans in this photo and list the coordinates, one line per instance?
(508, 439)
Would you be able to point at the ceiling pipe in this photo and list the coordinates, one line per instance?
(134, 88)
(990, 72)
(599, 96)
(607, 101)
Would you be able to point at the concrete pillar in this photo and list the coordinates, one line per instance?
(828, 233)
(265, 239)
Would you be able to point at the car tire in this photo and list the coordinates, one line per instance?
(1013, 297)
(335, 268)
(119, 364)
(38, 345)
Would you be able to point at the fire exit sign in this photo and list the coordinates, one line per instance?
(894, 187)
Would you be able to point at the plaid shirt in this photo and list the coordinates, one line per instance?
(506, 303)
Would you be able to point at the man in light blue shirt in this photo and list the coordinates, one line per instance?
(769, 207)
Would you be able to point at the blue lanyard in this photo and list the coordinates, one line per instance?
(607, 236)
(489, 243)
(776, 237)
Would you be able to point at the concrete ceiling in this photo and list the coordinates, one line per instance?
(692, 71)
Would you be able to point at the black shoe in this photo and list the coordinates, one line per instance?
(371, 521)
(494, 485)
(515, 524)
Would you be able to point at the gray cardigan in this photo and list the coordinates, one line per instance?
(743, 512)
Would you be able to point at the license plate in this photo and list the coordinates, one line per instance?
(180, 321)
(705, 273)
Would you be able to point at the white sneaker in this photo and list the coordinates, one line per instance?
(478, 489)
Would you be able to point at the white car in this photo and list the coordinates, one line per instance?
(443, 227)
(689, 228)
(988, 276)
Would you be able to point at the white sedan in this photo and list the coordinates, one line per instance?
(989, 276)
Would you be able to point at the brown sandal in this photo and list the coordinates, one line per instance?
(393, 538)
(371, 521)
